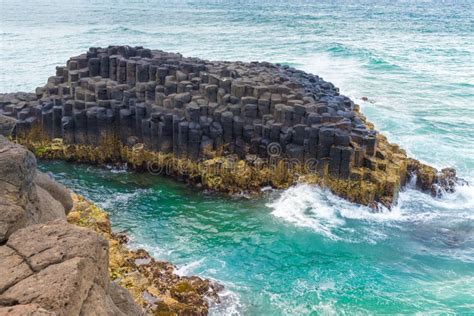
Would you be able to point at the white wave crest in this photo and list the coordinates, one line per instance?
(120, 199)
(304, 206)
(311, 207)
(229, 305)
(189, 268)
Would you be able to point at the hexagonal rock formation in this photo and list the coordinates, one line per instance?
(188, 107)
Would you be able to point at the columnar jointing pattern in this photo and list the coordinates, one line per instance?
(189, 108)
(184, 106)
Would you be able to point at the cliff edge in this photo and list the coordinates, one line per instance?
(49, 267)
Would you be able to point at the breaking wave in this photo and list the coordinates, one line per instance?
(334, 218)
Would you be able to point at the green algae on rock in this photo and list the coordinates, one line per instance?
(231, 126)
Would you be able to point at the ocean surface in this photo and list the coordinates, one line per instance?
(301, 251)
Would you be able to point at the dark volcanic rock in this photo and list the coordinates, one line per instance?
(189, 106)
(132, 89)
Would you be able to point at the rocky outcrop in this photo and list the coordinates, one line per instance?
(23, 201)
(7, 125)
(271, 124)
(59, 192)
(48, 266)
(51, 267)
(152, 283)
(436, 182)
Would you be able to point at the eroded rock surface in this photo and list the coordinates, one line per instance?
(23, 202)
(7, 125)
(48, 266)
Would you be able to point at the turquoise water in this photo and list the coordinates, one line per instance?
(299, 251)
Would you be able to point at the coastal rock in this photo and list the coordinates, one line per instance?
(7, 125)
(47, 207)
(123, 300)
(55, 189)
(25, 310)
(13, 217)
(63, 269)
(14, 268)
(60, 288)
(118, 99)
(430, 180)
(17, 167)
(23, 202)
(152, 283)
(49, 267)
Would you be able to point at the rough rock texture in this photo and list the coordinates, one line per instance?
(48, 266)
(7, 125)
(23, 202)
(24, 310)
(58, 191)
(51, 267)
(196, 109)
(152, 283)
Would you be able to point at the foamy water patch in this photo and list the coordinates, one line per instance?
(189, 268)
(136, 242)
(340, 71)
(416, 205)
(302, 289)
(305, 206)
(229, 305)
(311, 207)
(334, 218)
(461, 199)
(121, 198)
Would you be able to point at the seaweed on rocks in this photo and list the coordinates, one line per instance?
(231, 126)
(153, 284)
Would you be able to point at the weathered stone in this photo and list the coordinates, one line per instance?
(25, 310)
(55, 189)
(72, 279)
(7, 125)
(13, 217)
(14, 268)
(17, 167)
(122, 299)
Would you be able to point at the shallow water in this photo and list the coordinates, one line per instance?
(299, 251)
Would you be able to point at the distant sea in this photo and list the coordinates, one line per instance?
(300, 251)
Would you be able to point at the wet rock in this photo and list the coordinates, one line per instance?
(240, 106)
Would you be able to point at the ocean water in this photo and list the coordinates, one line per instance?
(300, 251)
